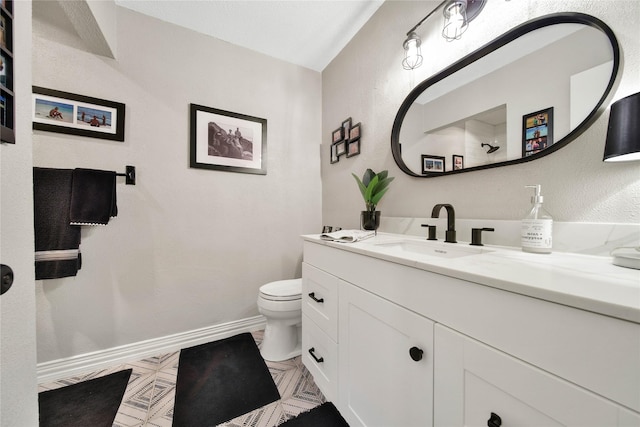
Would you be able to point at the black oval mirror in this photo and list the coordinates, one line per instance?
(524, 95)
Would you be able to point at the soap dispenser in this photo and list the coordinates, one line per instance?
(537, 226)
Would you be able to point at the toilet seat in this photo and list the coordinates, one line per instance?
(282, 290)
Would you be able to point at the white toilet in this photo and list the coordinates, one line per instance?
(281, 303)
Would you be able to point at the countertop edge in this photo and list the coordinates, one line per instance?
(455, 269)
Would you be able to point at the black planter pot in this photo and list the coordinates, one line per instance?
(370, 220)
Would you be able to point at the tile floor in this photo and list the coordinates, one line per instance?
(148, 400)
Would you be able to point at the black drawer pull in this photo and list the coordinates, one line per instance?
(494, 421)
(312, 295)
(311, 352)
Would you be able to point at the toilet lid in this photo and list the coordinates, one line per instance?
(282, 290)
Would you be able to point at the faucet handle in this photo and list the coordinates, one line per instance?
(476, 236)
(432, 231)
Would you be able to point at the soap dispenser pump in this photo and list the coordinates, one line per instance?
(537, 226)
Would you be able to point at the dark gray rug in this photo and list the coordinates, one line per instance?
(221, 380)
(325, 415)
(89, 403)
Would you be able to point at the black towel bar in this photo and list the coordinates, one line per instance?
(130, 175)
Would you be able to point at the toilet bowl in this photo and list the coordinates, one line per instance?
(281, 303)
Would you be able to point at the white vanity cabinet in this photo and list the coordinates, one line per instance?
(476, 385)
(482, 350)
(385, 362)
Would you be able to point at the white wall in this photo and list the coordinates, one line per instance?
(369, 85)
(18, 397)
(190, 247)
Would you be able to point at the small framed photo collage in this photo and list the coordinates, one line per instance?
(345, 140)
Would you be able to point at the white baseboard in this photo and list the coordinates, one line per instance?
(84, 363)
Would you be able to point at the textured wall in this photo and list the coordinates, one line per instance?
(18, 399)
(367, 82)
(190, 247)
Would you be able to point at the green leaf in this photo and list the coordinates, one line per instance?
(369, 193)
(362, 187)
(376, 199)
(367, 177)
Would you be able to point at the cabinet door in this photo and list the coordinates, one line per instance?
(385, 362)
(472, 381)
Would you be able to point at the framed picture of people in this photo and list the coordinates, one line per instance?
(227, 141)
(537, 131)
(70, 113)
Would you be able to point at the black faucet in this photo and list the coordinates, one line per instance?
(450, 235)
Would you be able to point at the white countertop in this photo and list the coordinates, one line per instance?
(587, 282)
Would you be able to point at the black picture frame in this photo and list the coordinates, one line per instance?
(341, 148)
(353, 148)
(83, 115)
(334, 158)
(337, 135)
(537, 131)
(7, 95)
(355, 132)
(213, 147)
(346, 127)
(432, 164)
(457, 162)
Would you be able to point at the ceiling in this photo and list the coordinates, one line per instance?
(309, 33)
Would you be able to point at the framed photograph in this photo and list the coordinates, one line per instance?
(457, 162)
(346, 127)
(334, 153)
(63, 112)
(227, 141)
(537, 131)
(6, 70)
(353, 148)
(432, 164)
(354, 133)
(341, 148)
(337, 135)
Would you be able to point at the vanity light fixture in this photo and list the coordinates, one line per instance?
(455, 20)
(457, 15)
(623, 132)
(412, 54)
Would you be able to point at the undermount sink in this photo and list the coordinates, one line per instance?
(441, 250)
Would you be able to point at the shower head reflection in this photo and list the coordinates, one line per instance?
(492, 148)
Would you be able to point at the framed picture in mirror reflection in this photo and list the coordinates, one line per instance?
(458, 162)
(537, 131)
(432, 164)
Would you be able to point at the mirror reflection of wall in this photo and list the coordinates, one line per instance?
(566, 66)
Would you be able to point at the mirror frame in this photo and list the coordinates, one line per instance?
(509, 36)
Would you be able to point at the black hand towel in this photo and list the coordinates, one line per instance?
(56, 241)
(93, 197)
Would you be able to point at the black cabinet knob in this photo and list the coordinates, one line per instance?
(494, 420)
(416, 353)
(6, 278)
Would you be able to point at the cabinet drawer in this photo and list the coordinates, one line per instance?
(473, 380)
(320, 356)
(320, 299)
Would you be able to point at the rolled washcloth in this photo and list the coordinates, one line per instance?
(93, 197)
(57, 242)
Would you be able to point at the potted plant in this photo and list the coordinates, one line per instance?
(372, 186)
